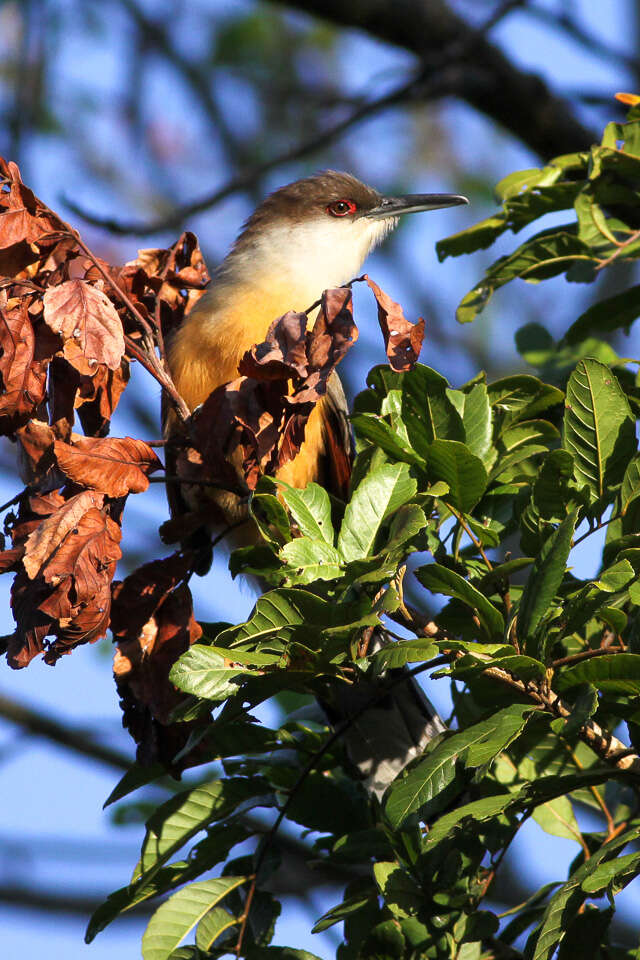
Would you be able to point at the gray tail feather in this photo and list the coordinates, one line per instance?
(385, 736)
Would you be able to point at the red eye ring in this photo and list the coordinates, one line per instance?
(341, 208)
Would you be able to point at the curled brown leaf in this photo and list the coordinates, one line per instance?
(402, 339)
(115, 465)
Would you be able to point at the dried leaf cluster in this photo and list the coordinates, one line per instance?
(70, 325)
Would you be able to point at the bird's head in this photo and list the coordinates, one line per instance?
(322, 228)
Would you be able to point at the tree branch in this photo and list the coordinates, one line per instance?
(519, 101)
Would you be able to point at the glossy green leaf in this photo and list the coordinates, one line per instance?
(213, 925)
(401, 652)
(205, 673)
(310, 560)
(630, 484)
(599, 428)
(184, 815)
(544, 581)
(370, 426)
(463, 472)
(440, 579)
(341, 911)
(175, 918)
(567, 901)
(378, 495)
(557, 818)
(613, 313)
(476, 419)
(613, 874)
(477, 237)
(311, 510)
(475, 746)
(522, 397)
(613, 673)
(545, 255)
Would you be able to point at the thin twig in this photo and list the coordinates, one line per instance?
(585, 655)
(598, 526)
(471, 536)
(618, 251)
(431, 80)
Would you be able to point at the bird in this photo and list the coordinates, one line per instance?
(305, 237)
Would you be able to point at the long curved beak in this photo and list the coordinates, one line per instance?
(413, 203)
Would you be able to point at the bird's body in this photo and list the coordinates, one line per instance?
(306, 237)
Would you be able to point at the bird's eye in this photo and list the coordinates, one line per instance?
(341, 208)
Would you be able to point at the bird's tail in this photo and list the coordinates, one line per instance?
(388, 722)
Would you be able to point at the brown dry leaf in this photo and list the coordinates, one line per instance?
(136, 599)
(35, 451)
(87, 321)
(98, 397)
(283, 354)
(145, 662)
(63, 589)
(115, 465)
(402, 339)
(88, 553)
(141, 668)
(256, 423)
(49, 534)
(23, 378)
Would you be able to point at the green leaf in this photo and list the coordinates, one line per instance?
(407, 523)
(311, 510)
(378, 495)
(373, 428)
(613, 874)
(341, 911)
(630, 484)
(464, 473)
(478, 237)
(475, 746)
(544, 255)
(203, 857)
(607, 315)
(599, 428)
(279, 953)
(530, 794)
(205, 673)
(401, 652)
(212, 925)
(440, 579)
(181, 912)
(522, 397)
(135, 777)
(279, 613)
(543, 581)
(613, 673)
(476, 419)
(184, 815)
(310, 560)
(566, 902)
(268, 513)
(557, 818)
(402, 896)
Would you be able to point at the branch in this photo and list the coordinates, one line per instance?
(244, 181)
(519, 101)
(540, 119)
(605, 744)
(77, 740)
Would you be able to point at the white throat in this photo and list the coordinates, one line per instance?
(309, 256)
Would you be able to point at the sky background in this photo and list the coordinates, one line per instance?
(53, 831)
